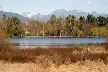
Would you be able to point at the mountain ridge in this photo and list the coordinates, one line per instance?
(58, 13)
(11, 14)
(64, 13)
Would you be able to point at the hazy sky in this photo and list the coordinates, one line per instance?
(47, 6)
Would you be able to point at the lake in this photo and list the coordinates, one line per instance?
(54, 42)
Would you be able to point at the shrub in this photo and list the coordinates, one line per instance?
(57, 56)
(5, 45)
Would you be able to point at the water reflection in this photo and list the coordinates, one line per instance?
(52, 46)
(54, 42)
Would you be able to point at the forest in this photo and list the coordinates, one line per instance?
(69, 26)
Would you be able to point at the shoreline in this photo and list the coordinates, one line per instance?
(56, 37)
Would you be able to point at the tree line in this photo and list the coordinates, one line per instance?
(69, 26)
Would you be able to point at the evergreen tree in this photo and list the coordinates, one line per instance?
(101, 21)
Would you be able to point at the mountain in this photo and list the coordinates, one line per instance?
(28, 14)
(10, 14)
(63, 13)
(38, 15)
(58, 13)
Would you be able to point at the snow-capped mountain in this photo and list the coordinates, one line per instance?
(59, 10)
(28, 14)
(38, 15)
(61, 13)
(58, 13)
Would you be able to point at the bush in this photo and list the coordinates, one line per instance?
(57, 56)
(5, 45)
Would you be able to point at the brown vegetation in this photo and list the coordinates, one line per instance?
(55, 59)
(86, 66)
(5, 45)
(56, 55)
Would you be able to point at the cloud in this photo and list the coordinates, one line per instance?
(89, 2)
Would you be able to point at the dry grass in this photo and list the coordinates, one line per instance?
(86, 66)
(56, 59)
(56, 55)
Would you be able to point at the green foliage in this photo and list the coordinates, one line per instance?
(82, 19)
(30, 34)
(14, 27)
(95, 31)
(101, 21)
(79, 33)
(99, 31)
(102, 31)
(10, 30)
(80, 26)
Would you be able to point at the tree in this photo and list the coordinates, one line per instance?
(90, 18)
(71, 25)
(106, 23)
(95, 31)
(79, 33)
(10, 27)
(5, 45)
(82, 19)
(14, 27)
(3, 24)
(48, 28)
(86, 29)
(101, 21)
(34, 27)
(81, 23)
(53, 22)
(102, 31)
(99, 31)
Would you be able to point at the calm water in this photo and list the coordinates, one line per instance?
(54, 42)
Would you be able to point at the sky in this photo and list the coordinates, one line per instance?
(47, 6)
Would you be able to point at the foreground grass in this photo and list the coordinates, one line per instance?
(86, 66)
(56, 59)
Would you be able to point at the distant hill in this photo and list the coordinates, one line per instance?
(10, 14)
